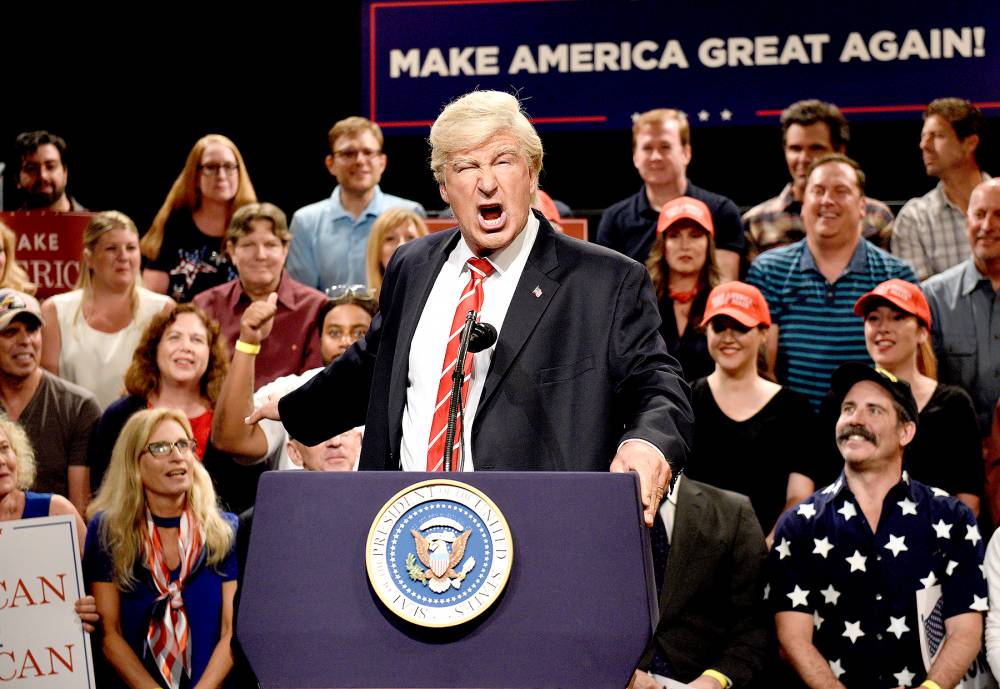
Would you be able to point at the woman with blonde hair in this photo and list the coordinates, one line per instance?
(683, 269)
(184, 246)
(90, 333)
(12, 275)
(897, 334)
(391, 230)
(160, 559)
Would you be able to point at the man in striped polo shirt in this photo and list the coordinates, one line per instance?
(811, 285)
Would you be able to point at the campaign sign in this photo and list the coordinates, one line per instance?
(49, 246)
(595, 63)
(42, 642)
(439, 553)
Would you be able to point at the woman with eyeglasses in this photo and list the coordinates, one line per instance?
(683, 270)
(897, 334)
(90, 332)
(753, 436)
(180, 363)
(391, 230)
(184, 246)
(160, 560)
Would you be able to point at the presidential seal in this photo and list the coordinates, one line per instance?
(439, 553)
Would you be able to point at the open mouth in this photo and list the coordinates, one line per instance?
(492, 216)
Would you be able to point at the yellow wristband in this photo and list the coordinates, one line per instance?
(247, 348)
(930, 684)
(722, 679)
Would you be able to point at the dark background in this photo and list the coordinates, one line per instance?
(132, 102)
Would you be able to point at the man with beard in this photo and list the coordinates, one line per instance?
(863, 566)
(42, 172)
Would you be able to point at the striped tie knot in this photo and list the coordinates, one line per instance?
(481, 266)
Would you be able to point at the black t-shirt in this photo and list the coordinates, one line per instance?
(629, 226)
(194, 260)
(754, 457)
(690, 348)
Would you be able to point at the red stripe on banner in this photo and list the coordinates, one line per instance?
(561, 119)
(988, 105)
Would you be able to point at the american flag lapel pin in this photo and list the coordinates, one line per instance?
(537, 292)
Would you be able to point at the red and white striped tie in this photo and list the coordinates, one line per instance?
(472, 299)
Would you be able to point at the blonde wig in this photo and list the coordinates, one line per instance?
(13, 274)
(184, 194)
(469, 121)
(21, 447)
(122, 499)
(385, 223)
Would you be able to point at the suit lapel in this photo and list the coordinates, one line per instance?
(684, 541)
(418, 289)
(533, 294)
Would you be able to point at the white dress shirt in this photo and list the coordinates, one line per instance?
(430, 341)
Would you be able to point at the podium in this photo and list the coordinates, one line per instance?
(577, 611)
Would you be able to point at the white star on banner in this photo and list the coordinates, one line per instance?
(726, 115)
(817, 620)
(807, 510)
(857, 562)
(908, 506)
(852, 630)
(798, 597)
(897, 626)
(848, 510)
(904, 678)
(942, 529)
(929, 580)
(830, 595)
(896, 544)
(784, 549)
(823, 546)
(836, 668)
(972, 534)
(703, 116)
(979, 603)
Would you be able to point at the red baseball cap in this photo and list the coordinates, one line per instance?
(902, 294)
(740, 301)
(685, 207)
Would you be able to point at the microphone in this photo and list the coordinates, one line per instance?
(483, 336)
(475, 338)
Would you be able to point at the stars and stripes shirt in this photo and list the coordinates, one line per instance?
(817, 328)
(860, 587)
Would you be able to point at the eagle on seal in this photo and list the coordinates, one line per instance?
(440, 564)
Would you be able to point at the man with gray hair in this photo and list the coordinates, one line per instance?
(579, 378)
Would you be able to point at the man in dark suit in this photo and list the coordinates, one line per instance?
(713, 625)
(579, 378)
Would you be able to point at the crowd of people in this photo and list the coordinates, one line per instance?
(843, 367)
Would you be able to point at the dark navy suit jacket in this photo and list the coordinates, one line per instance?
(579, 366)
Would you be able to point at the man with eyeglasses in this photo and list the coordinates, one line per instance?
(343, 320)
(42, 172)
(330, 236)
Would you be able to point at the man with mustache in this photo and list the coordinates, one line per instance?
(855, 562)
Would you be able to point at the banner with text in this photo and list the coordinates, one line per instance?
(593, 63)
(49, 246)
(42, 642)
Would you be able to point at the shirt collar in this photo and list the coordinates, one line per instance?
(972, 278)
(857, 264)
(338, 209)
(838, 487)
(671, 497)
(503, 259)
(286, 293)
(786, 198)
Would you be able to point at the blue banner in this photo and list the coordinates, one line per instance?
(593, 64)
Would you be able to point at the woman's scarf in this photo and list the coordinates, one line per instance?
(169, 635)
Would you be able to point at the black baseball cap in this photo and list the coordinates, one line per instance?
(845, 377)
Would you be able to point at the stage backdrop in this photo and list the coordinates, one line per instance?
(592, 64)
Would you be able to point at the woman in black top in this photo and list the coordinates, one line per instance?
(946, 452)
(683, 270)
(753, 436)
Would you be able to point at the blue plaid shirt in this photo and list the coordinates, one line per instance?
(861, 587)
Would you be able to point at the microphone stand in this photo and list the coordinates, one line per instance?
(457, 378)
